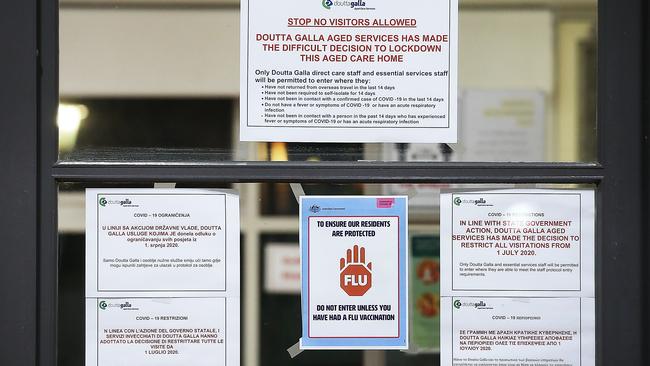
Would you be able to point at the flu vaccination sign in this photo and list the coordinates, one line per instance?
(354, 272)
(349, 71)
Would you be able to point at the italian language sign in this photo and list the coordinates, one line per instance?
(160, 331)
(349, 71)
(162, 272)
(354, 272)
(522, 263)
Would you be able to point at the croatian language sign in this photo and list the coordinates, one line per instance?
(162, 272)
(354, 272)
(522, 263)
(349, 71)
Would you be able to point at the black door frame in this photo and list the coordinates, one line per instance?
(28, 143)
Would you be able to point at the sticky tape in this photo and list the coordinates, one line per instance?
(297, 190)
(164, 185)
(294, 350)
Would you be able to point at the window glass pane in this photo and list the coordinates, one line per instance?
(151, 75)
(269, 219)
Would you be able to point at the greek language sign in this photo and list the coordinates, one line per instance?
(518, 277)
(354, 272)
(349, 71)
(162, 272)
(518, 331)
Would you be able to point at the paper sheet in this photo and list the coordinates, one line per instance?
(354, 272)
(162, 277)
(349, 71)
(518, 277)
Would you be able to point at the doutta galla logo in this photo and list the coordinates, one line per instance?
(477, 305)
(327, 4)
(103, 201)
(476, 202)
(102, 305)
(356, 276)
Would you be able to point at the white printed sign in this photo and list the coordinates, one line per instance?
(162, 277)
(349, 71)
(534, 241)
(517, 277)
(162, 331)
(481, 331)
(162, 241)
(354, 282)
(354, 253)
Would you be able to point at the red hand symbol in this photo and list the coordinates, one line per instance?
(356, 276)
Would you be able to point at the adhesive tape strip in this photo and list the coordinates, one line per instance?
(164, 185)
(294, 350)
(297, 190)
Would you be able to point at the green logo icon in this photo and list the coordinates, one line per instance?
(103, 202)
(457, 304)
(327, 4)
(103, 305)
(457, 201)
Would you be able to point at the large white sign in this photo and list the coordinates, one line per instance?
(522, 263)
(535, 241)
(349, 71)
(157, 242)
(354, 282)
(162, 277)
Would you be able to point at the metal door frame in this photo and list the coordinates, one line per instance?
(29, 252)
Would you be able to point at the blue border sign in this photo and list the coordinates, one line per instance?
(354, 263)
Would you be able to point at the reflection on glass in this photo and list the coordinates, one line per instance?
(112, 123)
(68, 120)
(527, 84)
(271, 275)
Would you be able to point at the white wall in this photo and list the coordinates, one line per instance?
(506, 49)
(149, 52)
